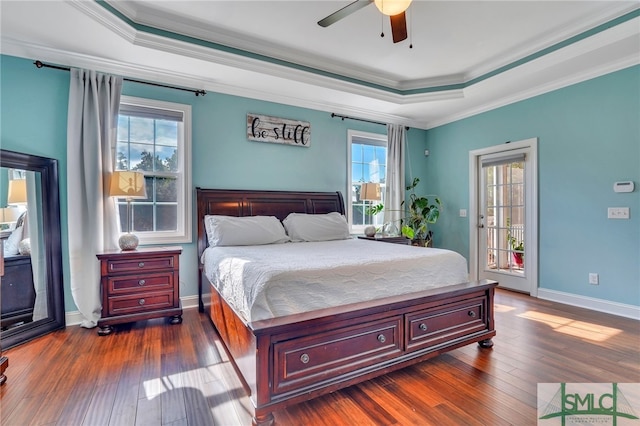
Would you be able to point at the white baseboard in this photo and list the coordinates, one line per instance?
(614, 308)
(75, 317)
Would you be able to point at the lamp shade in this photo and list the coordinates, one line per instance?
(392, 7)
(370, 192)
(127, 184)
(17, 193)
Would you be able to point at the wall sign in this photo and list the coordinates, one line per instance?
(263, 128)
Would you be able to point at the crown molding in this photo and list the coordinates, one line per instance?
(517, 53)
(105, 18)
(631, 59)
(144, 15)
(60, 57)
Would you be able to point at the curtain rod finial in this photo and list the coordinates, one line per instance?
(38, 64)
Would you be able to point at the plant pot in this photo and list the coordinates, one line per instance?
(518, 258)
(419, 242)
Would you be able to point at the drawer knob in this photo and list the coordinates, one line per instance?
(472, 314)
(304, 358)
(381, 338)
(423, 327)
(142, 282)
(141, 302)
(141, 265)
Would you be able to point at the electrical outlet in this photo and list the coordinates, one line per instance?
(463, 212)
(593, 278)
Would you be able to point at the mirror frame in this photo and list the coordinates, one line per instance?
(48, 169)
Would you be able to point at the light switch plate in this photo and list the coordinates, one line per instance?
(618, 213)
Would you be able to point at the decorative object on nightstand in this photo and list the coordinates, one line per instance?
(139, 285)
(130, 185)
(370, 231)
(370, 192)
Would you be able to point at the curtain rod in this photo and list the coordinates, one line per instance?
(40, 64)
(343, 117)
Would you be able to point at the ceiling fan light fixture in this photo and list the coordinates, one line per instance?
(392, 7)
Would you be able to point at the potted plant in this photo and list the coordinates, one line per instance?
(517, 247)
(420, 212)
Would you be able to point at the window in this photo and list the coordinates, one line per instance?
(154, 138)
(367, 162)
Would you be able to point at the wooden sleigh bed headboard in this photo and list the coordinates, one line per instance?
(239, 203)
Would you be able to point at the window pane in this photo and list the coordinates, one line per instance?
(166, 217)
(122, 156)
(167, 133)
(357, 173)
(141, 130)
(167, 159)
(368, 152)
(142, 217)
(123, 128)
(122, 211)
(356, 153)
(381, 155)
(357, 214)
(141, 157)
(166, 190)
(374, 171)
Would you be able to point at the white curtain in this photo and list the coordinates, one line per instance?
(395, 188)
(94, 99)
(34, 232)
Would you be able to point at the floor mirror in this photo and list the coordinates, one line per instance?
(31, 299)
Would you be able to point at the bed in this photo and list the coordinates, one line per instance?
(292, 357)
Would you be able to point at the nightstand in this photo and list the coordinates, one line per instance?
(395, 240)
(138, 285)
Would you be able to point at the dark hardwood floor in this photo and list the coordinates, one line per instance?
(153, 373)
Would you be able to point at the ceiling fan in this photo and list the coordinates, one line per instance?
(393, 8)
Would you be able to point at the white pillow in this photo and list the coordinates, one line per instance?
(244, 231)
(11, 244)
(316, 227)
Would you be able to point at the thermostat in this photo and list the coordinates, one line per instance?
(626, 186)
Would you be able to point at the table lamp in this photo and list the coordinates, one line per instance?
(370, 192)
(130, 185)
(17, 192)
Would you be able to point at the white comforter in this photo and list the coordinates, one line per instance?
(273, 280)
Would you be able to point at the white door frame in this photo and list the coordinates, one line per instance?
(531, 216)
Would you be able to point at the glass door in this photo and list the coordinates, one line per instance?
(502, 226)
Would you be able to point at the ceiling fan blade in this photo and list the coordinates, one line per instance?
(399, 27)
(344, 12)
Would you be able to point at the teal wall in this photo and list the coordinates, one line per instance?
(588, 138)
(34, 120)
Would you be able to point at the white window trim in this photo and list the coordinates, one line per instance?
(183, 234)
(351, 134)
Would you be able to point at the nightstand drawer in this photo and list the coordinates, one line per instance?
(122, 305)
(141, 264)
(138, 283)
